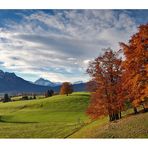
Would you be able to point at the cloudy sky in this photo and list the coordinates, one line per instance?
(58, 44)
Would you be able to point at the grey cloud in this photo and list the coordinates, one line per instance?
(69, 39)
(67, 46)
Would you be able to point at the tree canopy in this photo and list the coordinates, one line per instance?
(135, 76)
(106, 71)
(114, 81)
(66, 88)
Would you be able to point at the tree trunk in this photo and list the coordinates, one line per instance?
(110, 118)
(120, 115)
(114, 116)
(145, 109)
(135, 110)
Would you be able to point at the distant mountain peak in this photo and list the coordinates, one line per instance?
(6, 74)
(45, 82)
(42, 79)
(1, 71)
(78, 82)
(11, 83)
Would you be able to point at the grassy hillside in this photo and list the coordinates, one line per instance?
(132, 126)
(54, 117)
(64, 117)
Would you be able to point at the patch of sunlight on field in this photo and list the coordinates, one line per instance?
(53, 117)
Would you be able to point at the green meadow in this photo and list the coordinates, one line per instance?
(64, 116)
(54, 117)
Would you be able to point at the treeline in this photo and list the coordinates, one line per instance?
(65, 89)
(118, 77)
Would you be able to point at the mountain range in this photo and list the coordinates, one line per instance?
(45, 82)
(11, 83)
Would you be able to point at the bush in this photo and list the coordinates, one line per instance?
(25, 98)
(6, 98)
(49, 93)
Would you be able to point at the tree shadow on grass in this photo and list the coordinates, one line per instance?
(139, 112)
(19, 122)
(85, 95)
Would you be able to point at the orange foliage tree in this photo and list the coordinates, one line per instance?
(135, 75)
(106, 72)
(91, 86)
(66, 88)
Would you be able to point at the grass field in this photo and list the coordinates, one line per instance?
(64, 117)
(54, 117)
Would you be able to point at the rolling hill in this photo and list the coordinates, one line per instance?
(64, 117)
(54, 117)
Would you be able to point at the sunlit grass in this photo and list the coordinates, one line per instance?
(64, 116)
(52, 117)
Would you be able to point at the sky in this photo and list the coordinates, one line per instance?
(58, 44)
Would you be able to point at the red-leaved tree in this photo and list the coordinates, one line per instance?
(106, 72)
(135, 76)
(66, 88)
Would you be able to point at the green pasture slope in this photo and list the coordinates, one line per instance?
(64, 117)
(54, 117)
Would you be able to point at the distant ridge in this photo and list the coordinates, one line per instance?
(11, 83)
(45, 82)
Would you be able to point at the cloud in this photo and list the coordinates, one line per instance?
(60, 44)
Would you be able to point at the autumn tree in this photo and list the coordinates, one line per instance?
(135, 75)
(106, 72)
(66, 88)
(91, 86)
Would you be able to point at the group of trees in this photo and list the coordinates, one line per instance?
(115, 80)
(66, 88)
(135, 76)
(49, 93)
